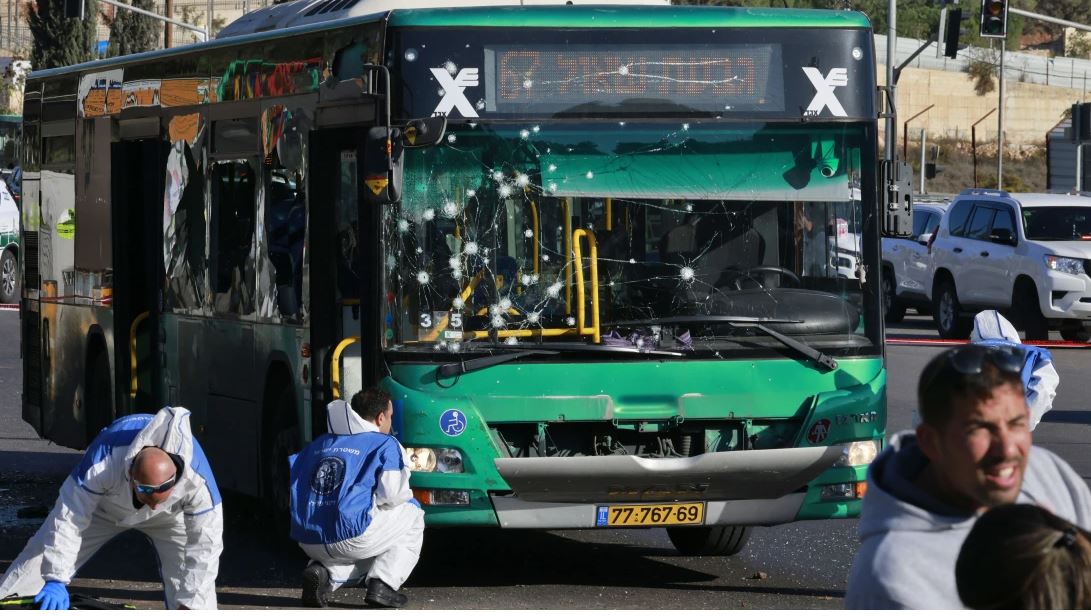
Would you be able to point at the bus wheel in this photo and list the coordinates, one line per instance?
(9, 278)
(709, 540)
(98, 410)
(282, 440)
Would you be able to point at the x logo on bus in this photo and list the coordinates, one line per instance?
(454, 87)
(824, 96)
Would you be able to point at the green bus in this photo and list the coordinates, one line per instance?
(608, 295)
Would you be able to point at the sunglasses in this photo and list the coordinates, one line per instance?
(970, 359)
(147, 490)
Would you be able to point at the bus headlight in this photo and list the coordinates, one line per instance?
(859, 453)
(437, 460)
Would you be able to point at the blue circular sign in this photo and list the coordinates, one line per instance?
(452, 422)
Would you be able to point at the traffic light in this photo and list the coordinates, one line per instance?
(1081, 122)
(994, 18)
(954, 32)
(931, 169)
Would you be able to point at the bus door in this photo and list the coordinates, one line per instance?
(137, 198)
(345, 248)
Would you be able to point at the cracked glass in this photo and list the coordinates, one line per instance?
(653, 235)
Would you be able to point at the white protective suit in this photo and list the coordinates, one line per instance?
(390, 546)
(990, 325)
(96, 504)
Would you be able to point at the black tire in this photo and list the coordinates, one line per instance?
(9, 278)
(1075, 331)
(947, 312)
(709, 540)
(98, 396)
(1029, 313)
(893, 310)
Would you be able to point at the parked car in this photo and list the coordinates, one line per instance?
(1027, 254)
(9, 247)
(907, 264)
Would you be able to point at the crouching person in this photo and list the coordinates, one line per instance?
(142, 472)
(352, 510)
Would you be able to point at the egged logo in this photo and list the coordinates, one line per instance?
(329, 476)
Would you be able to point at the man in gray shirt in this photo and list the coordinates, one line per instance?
(925, 490)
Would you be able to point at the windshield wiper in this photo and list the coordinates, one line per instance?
(757, 323)
(477, 363)
(510, 354)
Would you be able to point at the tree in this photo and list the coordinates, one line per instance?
(131, 32)
(59, 41)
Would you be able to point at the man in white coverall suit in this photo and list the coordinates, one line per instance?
(353, 512)
(143, 472)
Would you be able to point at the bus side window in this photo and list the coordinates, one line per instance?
(233, 236)
(285, 214)
(185, 234)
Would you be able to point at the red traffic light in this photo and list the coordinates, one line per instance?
(994, 18)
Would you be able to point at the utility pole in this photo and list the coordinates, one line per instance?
(891, 41)
(942, 29)
(168, 30)
(973, 141)
(924, 142)
(1000, 123)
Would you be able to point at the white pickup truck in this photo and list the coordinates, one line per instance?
(907, 264)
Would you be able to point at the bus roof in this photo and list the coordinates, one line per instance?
(563, 16)
(535, 13)
(630, 17)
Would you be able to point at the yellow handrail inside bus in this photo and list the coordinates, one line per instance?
(469, 290)
(335, 364)
(133, 384)
(566, 208)
(536, 231)
(521, 333)
(581, 321)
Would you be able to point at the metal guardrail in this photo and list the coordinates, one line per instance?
(1061, 72)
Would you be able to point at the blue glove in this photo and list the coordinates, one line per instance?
(415, 503)
(54, 596)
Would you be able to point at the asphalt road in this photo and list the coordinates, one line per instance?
(802, 565)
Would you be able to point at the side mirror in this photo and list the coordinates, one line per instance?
(424, 132)
(924, 238)
(382, 165)
(1002, 236)
(383, 151)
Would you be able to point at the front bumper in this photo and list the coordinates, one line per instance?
(1066, 296)
(514, 512)
(725, 475)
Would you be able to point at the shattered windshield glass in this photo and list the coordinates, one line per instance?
(609, 233)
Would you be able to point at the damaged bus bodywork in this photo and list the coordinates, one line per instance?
(610, 295)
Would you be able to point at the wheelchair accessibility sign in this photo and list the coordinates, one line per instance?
(452, 422)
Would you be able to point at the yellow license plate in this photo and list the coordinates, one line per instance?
(651, 514)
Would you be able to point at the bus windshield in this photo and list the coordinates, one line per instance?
(665, 230)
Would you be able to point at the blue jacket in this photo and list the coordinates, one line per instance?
(340, 478)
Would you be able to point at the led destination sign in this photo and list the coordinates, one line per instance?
(559, 78)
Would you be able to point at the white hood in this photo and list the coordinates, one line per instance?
(168, 430)
(341, 419)
(991, 325)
